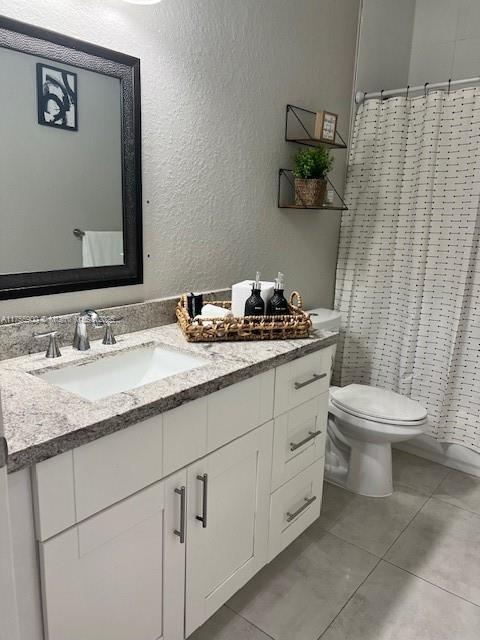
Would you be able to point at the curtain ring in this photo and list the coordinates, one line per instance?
(408, 91)
(425, 88)
(449, 83)
(381, 95)
(364, 96)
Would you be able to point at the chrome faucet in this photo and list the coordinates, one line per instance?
(80, 339)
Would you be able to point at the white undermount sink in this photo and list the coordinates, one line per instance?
(121, 372)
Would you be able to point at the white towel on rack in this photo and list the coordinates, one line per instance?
(102, 248)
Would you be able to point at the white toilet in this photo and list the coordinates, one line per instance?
(363, 423)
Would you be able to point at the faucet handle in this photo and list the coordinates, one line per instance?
(109, 338)
(53, 350)
(93, 317)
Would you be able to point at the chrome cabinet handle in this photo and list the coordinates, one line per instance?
(181, 533)
(3, 452)
(314, 378)
(308, 502)
(203, 517)
(311, 435)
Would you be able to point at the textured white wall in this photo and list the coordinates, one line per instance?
(385, 44)
(446, 41)
(216, 76)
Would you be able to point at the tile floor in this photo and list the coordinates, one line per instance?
(405, 567)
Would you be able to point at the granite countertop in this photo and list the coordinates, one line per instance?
(41, 420)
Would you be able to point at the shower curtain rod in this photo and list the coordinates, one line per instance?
(360, 96)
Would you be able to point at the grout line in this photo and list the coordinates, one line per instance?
(455, 506)
(441, 482)
(349, 599)
(329, 530)
(433, 584)
(354, 544)
(249, 622)
(406, 526)
(332, 484)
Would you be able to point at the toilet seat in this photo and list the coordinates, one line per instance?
(378, 405)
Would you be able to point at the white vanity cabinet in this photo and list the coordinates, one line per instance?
(224, 483)
(131, 557)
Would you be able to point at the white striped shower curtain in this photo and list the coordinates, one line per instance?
(408, 277)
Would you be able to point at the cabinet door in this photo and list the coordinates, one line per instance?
(105, 577)
(9, 629)
(229, 490)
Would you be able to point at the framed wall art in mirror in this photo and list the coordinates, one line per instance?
(70, 164)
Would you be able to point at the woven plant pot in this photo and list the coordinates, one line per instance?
(310, 193)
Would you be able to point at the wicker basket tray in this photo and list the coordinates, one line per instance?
(296, 325)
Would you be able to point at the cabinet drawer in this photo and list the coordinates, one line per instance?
(79, 483)
(185, 435)
(53, 495)
(116, 466)
(299, 439)
(240, 408)
(301, 380)
(294, 507)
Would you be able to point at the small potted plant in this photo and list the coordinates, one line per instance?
(311, 168)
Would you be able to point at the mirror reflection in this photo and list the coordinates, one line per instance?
(60, 166)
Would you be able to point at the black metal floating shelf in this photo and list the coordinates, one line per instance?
(286, 182)
(313, 142)
(324, 208)
(305, 136)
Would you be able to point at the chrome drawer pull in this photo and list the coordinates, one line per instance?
(314, 378)
(311, 435)
(203, 517)
(308, 502)
(3, 452)
(181, 533)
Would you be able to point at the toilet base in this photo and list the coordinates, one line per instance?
(361, 467)
(370, 469)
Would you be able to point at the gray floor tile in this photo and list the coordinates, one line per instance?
(297, 595)
(460, 490)
(417, 472)
(442, 546)
(375, 523)
(226, 625)
(335, 501)
(394, 605)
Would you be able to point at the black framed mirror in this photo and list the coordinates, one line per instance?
(70, 164)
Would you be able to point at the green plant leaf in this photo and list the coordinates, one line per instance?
(313, 163)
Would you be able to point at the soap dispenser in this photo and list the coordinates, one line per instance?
(255, 306)
(278, 305)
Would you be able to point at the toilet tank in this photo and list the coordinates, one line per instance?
(325, 319)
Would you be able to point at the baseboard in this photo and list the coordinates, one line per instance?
(450, 455)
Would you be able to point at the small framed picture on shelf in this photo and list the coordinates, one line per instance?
(326, 126)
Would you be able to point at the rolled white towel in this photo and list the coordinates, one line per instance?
(213, 311)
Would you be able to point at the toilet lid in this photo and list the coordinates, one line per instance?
(380, 404)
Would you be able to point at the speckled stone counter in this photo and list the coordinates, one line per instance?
(41, 420)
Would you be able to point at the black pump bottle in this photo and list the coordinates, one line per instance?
(278, 305)
(255, 306)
